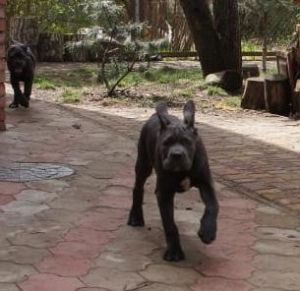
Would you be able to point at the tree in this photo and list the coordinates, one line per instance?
(216, 34)
(54, 15)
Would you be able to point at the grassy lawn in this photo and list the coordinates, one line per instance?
(144, 86)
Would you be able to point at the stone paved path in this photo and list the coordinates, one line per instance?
(70, 234)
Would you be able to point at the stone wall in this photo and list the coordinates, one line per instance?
(2, 65)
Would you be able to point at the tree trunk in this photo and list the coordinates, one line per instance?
(277, 94)
(24, 29)
(50, 47)
(227, 25)
(254, 94)
(205, 36)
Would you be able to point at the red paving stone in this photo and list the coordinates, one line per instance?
(47, 282)
(64, 266)
(115, 202)
(11, 188)
(5, 199)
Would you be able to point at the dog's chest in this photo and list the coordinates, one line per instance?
(184, 185)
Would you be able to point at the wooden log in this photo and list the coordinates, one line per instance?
(277, 94)
(229, 80)
(50, 47)
(253, 97)
(24, 29)
(296, 100)
(250, 70)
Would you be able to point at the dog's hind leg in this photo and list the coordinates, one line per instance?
(174, 251)
(143, 169)
(208, 228)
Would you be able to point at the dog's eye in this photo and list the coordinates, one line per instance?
(168, 141)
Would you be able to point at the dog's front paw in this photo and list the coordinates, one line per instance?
(13, 105)
(174, 255)
(136, 218)
(24, 102)
(208, 230)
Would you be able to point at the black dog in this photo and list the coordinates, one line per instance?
(178, 156)
(21, 65)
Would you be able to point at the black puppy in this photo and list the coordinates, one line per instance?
(177, 153)
(21, 65)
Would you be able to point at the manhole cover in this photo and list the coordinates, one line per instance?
(25, 172)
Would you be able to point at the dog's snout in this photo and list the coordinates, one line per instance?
(177, 154)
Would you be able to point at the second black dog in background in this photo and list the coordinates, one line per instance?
(21, 65)
(176, 152)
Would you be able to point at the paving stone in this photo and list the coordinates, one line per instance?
(64, 266)
(48, 282)
(5, 199)
(103, 220)
(8, 287)
(112, 279)
(24, 208)
(91, 289)
(88, 236)
(277, 248)
(217, 284)
(277, 263)
(12, 273)
(281, 221)
(35, 196)
(276, 280)
(273, 233)
(236, 270)
(50, 186)
(59, 215)
(22, 255)
(10, 188)
(77, 250)
(36, 239)
(122, 261)
(171, 274)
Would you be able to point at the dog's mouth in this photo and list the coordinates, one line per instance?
(176, 166)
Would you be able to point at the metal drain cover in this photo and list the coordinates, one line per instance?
(26, 172)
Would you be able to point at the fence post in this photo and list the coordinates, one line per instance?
(2, 65)
(265, 41)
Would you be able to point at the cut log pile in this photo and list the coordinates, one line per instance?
(279, 93)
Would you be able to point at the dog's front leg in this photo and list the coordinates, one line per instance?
(17, 93)
(208, 228)
(166, 206)
(28, 88)
(19, 97)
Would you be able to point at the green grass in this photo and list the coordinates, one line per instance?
(71, 97)
(44, 83)
(231, 102)
(250, 46)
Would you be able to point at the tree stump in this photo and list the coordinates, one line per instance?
(253, 97)
(277, 94)
(50, 47)
(296, 101)
(24, 29)
(229, 80)
(250, 70)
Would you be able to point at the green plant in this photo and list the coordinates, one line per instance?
(70, 97)
(45, 83)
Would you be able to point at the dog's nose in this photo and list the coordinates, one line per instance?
(176, 155)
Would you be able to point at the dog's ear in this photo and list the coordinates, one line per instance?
(25, 48)
(189, 113)
(162, 113)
